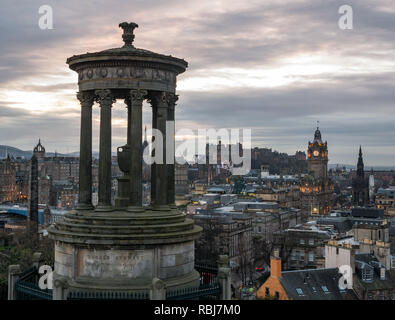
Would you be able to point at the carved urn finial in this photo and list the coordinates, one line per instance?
(128, 36)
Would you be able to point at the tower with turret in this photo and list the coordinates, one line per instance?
(316, 188)
(317, 156)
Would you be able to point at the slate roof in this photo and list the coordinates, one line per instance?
(314, 284)
(341, 224)
(377, 283)
(367, 212)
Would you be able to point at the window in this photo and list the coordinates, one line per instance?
(367, 274)
(293, 255)
(301, 255)
(314, 289)
(277, 295)
(299, 291)
(311, 257)
(259, 229)
(325, 289)
(311, 242)
(302, 241)
(267, 291)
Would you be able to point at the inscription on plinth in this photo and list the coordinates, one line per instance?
(115, 263)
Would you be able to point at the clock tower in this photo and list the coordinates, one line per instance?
(316, 187)
(317, 157)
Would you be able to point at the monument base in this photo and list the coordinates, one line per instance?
(124, 251)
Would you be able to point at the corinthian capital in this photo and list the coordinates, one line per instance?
(137, 96)
(104, 97)
(159, 99)
(86, 98)
(171, 99)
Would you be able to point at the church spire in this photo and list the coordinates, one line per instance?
(360, 165)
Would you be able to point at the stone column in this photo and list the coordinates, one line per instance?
(153, 166)
(158, 290)
(135, 137)
(105, 99)
(224, 277)
(13, 276)
(129, 108)
(85, 171)
(171, 196)
(60, 288)
(159, 179)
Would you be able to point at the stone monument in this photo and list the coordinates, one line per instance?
(124, 247)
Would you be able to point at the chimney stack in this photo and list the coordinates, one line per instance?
(275, 267)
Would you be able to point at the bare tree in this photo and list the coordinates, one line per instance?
(245, 258)
(206, 247)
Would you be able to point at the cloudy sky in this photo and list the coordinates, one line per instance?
(273, 66)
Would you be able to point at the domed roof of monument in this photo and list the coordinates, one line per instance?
(128, 50)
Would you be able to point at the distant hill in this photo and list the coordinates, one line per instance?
(15, 152)
(367, 168)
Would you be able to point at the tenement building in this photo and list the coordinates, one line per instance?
(317, 188)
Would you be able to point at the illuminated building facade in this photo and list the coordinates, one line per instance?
(316, 188)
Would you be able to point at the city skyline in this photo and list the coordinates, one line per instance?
(246, 70)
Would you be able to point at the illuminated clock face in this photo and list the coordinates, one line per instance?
(316, 153)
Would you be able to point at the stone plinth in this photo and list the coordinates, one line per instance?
(125, 250)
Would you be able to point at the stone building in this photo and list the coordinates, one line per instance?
(314, 284)
(317, 189)
(371, 278)
(8, 186)
(385, 199)
(224, 234)
(286, 194)
(303, 246)
(181, 179)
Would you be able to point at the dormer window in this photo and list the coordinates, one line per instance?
(299, 291)
(367, 274)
